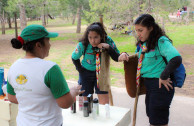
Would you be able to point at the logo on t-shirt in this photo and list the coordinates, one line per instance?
(76, 50)
(21, 79)
(89, 61)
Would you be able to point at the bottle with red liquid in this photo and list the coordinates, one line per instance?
(81, 102)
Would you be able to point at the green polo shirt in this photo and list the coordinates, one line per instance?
(153, 63)
(89, 59)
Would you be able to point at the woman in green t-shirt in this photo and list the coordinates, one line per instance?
(38, 85)
(154, 71)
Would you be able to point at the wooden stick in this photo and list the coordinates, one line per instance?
(135, 106)
(110, 97)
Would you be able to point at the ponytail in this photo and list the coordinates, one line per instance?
(16, 43)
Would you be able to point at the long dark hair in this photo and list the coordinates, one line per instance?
(27, 46)
(146, 20)
(98, 28)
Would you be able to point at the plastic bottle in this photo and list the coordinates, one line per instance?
(95, 110)
(1, 79)
(81, 102)
(85, 109)
(107, 109)
(90, 102)
(73, 107)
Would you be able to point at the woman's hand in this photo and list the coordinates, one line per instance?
(123, 57)
(166, 83)
(76, 90)
(103, 45)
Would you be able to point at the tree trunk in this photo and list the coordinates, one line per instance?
(187, 17)
(163, 23)
(101, 19)
(79, 19)
(16, 27)
(9, 20)
(23, 22)
(47, 18)
(3, 23)
(74, 17)
(149, 6)
(43, 16)
(139, 7)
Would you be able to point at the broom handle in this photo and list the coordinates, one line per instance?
(135, 106)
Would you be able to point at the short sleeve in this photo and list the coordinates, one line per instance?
(55, 80)
(78, 52)
(112, 44)
(10, 89)
(167, 49)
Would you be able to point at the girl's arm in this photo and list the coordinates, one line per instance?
(77, 53)
(170, 67)
(78, 65)
(113, 54)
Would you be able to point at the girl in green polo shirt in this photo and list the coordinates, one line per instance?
(95, 37)
(155, 72)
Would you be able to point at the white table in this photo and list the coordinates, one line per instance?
(118, 117)
(8, 113)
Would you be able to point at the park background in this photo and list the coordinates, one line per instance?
(70, 19)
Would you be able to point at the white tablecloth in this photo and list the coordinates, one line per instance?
(118, 117)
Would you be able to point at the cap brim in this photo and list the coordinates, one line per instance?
(52, 35)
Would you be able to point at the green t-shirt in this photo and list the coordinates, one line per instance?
(153, 63)
(89, 59)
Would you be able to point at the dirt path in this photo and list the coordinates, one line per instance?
(186, 52)
(9, 55)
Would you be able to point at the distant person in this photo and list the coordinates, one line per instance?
(154, 71)
(94, 38)
(129, 30)
(178, 13)
(37, 85)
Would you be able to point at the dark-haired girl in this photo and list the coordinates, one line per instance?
(95, 37)
(37, 85)
(155, 72)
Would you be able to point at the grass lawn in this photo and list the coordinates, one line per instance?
(63, 46)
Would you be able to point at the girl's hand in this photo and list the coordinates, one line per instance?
(166, 83)
(123, 57)
(103, 45)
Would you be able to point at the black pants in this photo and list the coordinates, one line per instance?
(88, 81)
(157, 102)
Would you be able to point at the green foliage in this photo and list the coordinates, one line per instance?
(69, 7)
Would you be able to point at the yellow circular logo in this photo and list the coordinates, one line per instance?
(21, 79)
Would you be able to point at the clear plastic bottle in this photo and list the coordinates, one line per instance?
(107, 109)
(95, 111)
(81, 102)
